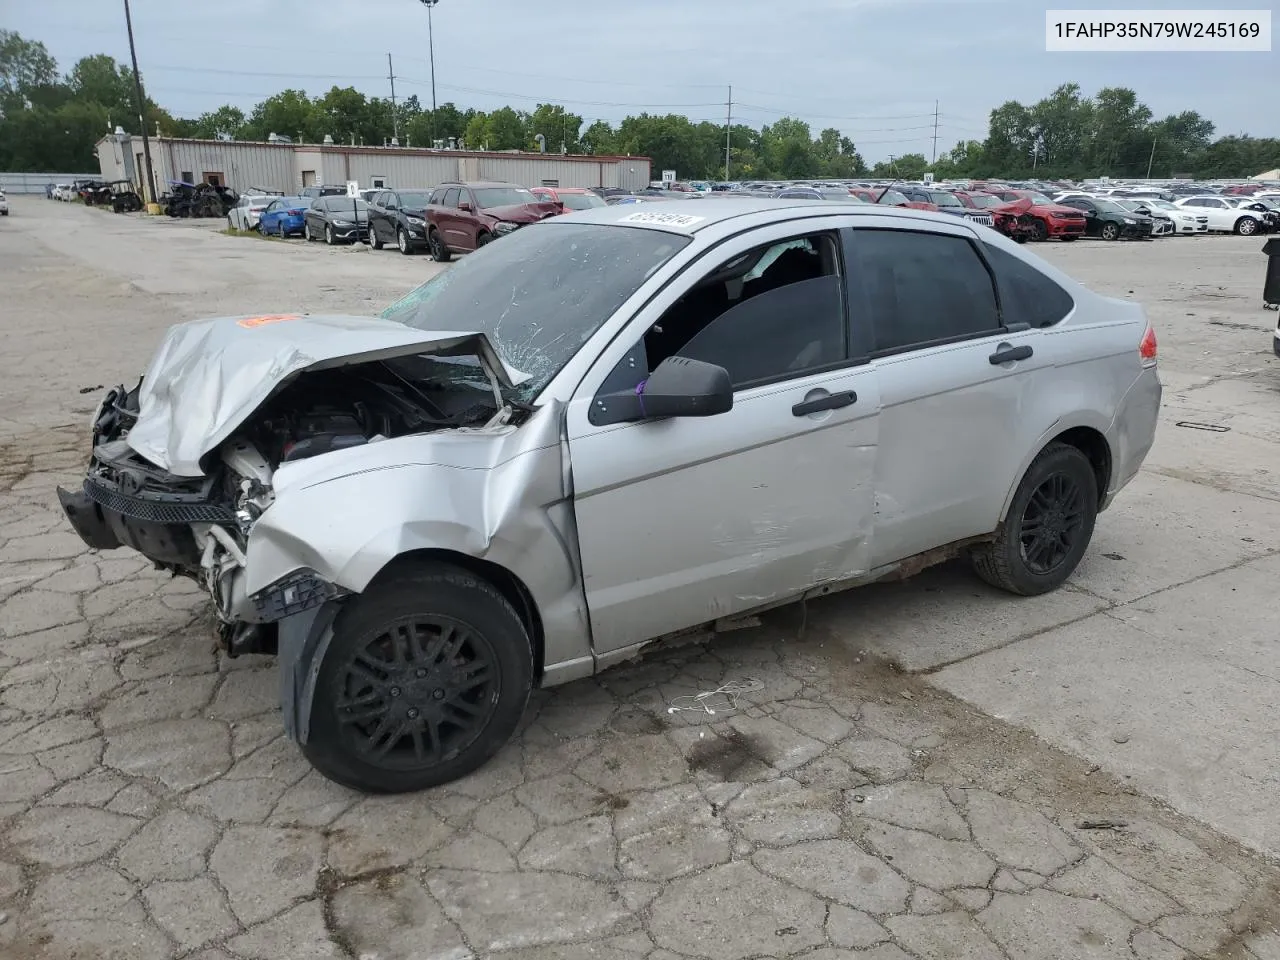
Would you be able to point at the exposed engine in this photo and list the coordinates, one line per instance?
(199, 527)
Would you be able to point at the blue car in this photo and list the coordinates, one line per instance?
(283, 217)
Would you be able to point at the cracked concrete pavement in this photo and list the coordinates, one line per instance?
(930, 770)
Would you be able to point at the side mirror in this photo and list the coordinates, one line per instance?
(391, 205)
(464, 206)
(681, 387)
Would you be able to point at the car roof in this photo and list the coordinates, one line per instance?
(478, 183)
(692, 216)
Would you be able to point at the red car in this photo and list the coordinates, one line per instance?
(1052, 219)
(890, 198)
(569, 199)
(462, 217)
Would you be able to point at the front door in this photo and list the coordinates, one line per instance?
(686, 520)
(953, 375)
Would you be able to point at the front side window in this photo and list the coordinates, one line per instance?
(451, 197)
(772, 313)
(541, 293)
(924, 288)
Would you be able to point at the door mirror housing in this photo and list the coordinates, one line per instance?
(681, 387)
(464, 206)
(390, 205)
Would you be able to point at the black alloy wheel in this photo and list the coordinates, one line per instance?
(1047, 528)
(1051, 522)
(416, 691)
(1041, 231)
(426, 677)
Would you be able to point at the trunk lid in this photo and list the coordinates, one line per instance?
(209, 376)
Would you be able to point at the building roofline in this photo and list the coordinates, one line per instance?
(389, 151)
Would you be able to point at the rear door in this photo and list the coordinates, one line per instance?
(953, 376)
(686, 520)
(448, 220)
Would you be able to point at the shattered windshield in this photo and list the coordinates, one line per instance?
(541, 292)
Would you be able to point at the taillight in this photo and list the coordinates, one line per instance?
(295, 213)
(1147, 348)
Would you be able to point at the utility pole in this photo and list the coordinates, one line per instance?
(728, 134)
(395, 116)
(149, 190)
(1153, 156)
(935, 133)
(431, 44)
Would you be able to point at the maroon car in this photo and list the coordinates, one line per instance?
(462, 217)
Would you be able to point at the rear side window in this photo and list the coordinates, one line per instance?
(1026, 294)
(923, 288)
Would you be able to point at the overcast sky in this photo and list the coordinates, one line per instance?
(872, 68)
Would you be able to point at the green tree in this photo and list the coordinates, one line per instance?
(289, 112)
(99, 79)
(557, 125)
(476, 136)
(508, 129)
(226, 119)
(600, 139)
(25, 69)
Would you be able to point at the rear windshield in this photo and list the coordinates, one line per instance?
(892, 197)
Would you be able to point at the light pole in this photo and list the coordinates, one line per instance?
(149, 192)
(431, 45)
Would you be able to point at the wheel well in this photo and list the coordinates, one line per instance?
(1094, 446)
(507, 583)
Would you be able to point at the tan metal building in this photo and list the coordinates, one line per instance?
(289, 167)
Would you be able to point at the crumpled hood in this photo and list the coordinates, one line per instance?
(524, 212)
(209, 376)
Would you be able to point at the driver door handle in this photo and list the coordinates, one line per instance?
(832, 401)
(1007, 354)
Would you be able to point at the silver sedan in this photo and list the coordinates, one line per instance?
(605, 430)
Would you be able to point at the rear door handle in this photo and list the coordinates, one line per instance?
(1009, 354)
(832, 401)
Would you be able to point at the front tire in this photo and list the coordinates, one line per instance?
(1048, 527)
(402, 241)
(1041, 232)
(1110, 231)
(1246, 226)
(482, 239)
(426, 678)
(328, 234)
(439, 249)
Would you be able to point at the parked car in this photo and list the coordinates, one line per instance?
(284, 217)
(399, 217)
(1224, 214)
(1161, 222)
(1262, 207)
(1062, 221)
(336, 219)
(385, 504)
(327, 190)
(1184, 221)
(244, 215)
(465, 216)
(4, 204)
(889, 197)
(948, 203)
(569, 199)
(1107, 219)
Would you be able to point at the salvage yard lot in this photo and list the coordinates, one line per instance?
(931, 769)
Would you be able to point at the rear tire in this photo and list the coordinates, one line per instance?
(306, 231)
(373, 239)
(415, 715)
(1048, 527)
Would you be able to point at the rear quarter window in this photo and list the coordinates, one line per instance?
(1026, 294)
